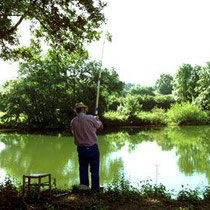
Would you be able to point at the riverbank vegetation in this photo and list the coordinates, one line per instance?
(43, 96)
(118, 195)
(48, 87)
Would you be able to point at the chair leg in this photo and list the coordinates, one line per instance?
(24, 185)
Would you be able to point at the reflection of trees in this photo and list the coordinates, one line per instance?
(192, 145)
(33, 153)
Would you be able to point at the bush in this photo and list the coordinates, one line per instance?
(155, 117)
(129, 106)
(188, 196)
(150, 102)
(112, 115)
(9, 196)
(147, 102)
(186, 114)
(164, 101)
(154, 191)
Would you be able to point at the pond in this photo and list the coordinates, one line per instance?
(171, 156)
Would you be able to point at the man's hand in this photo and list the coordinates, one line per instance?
(97, 117)
(101, 126)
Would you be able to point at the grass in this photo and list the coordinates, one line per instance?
(117, 195)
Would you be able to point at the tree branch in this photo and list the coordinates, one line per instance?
(21, 18)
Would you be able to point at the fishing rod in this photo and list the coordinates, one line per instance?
(99, 78)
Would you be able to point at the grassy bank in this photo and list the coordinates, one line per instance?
(178, 114)
(118, 195)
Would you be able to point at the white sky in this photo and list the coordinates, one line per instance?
(150, 37)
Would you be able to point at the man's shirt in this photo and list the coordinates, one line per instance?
(84, 129)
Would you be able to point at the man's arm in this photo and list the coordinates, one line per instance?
(71, 127)
(100, 124)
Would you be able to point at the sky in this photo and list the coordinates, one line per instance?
(149, 38)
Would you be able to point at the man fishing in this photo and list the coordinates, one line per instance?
(84, 129)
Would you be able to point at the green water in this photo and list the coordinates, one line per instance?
(171, 156)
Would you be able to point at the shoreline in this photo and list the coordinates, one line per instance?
(118, 196)
(55, 132)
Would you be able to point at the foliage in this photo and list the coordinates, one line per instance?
(146, 102)
(10, 196)
(185, 82)
(206, 193)
(164, 84)
(118, 195)
(160, 101)
(121, 187)
(141, 90)
(61, 24)
(154, 191)
(129, 105)
(186, 114)
(188, 196)
(47, 89)
(155, 117)
(113, 115)
(128, 86)
(192, 84)
(203, 88)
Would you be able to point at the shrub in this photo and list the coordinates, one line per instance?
(129, 105)
(164, 101)
(155, 191)
(156, 116)
(186, 114)
(188, 196)
(150, 102)
(206, 194)
(112, 115)
(9, 196)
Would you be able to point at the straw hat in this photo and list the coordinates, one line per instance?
(80, 105)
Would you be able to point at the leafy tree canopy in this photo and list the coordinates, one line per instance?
(48, 87)
(186, 80)
(203, 87)
(192, 84)
(164, 84)
(60, 24)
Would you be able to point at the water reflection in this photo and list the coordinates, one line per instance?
(33, 153)
(120, 151)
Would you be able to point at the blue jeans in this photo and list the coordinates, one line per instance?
(89, 156)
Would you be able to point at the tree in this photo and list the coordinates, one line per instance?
(61, 24)
(164, 84)
(186, 82)
(48, 87)
(140, 90)
(203, 88)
